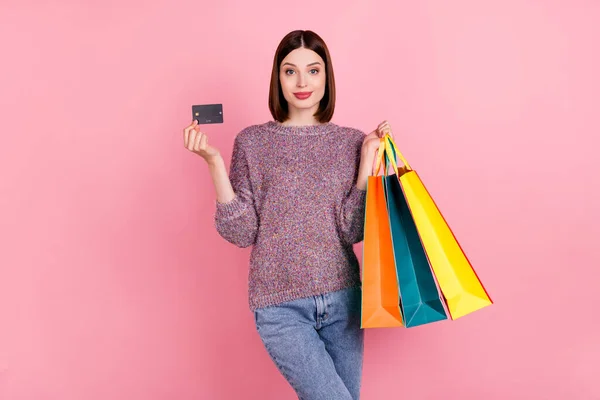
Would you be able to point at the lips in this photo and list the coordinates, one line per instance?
(302, 95)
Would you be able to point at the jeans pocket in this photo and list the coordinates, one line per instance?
(256, 321)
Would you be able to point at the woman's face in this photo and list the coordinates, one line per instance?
(302, 76)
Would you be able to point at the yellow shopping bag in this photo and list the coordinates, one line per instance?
(463, 291)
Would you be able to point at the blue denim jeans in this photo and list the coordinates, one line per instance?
(317, 343)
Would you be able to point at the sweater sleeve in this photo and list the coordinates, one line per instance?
(352, 214)
(236, 221)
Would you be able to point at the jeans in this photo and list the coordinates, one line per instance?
(317, 343)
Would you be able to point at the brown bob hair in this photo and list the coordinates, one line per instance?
(278, 105)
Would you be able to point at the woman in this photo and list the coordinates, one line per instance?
(296, 193)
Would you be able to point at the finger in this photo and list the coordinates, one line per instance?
(203, 142)
(383, 128)
(197, 145)
(193, 124)
(384, 124)
(192, 140)
(386, 130)
(187, 130)
(186, 135)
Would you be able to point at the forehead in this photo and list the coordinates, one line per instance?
(301, 57)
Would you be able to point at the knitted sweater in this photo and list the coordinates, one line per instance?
(296, 202)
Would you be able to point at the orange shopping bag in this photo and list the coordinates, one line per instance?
(380, 293)
(463, 291)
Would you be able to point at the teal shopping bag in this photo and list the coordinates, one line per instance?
(420, 300)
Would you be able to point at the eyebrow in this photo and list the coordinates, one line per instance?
(315, 63)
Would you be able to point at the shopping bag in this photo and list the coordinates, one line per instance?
(420, 300)
(380, 298)
(462, 289)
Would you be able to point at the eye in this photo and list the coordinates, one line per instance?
(314, 71)
(287, 71)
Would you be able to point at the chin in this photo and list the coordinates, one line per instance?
(305, 106)
(302, 105)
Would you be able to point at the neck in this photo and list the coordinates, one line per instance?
(302, 117)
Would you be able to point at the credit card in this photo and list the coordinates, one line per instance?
(208, 113)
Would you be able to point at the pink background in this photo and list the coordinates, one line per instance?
(114, 283)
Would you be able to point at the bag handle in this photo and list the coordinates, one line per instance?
(392, 149)
(380, 154)
(387, 148)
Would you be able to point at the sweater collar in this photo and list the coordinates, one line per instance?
(301, 130)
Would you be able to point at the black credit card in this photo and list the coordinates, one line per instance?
(208, 113)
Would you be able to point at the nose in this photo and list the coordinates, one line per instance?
(301, 81)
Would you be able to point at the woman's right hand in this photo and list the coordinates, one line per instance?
(196, 141)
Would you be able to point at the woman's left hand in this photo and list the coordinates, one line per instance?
(371, 141)
(369, 149)
(383, 129)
